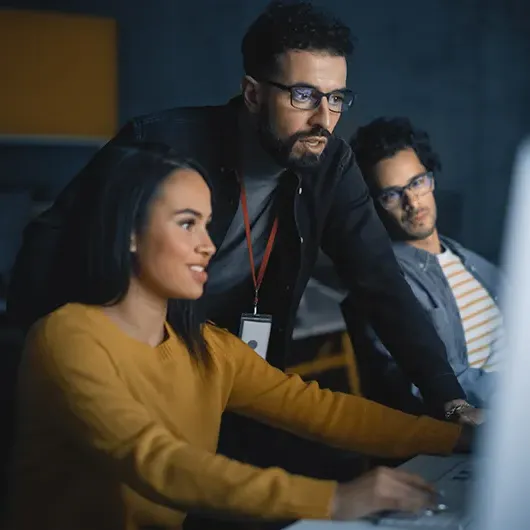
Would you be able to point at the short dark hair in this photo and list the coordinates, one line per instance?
(121, 182)
(285, 26)
(384, 137)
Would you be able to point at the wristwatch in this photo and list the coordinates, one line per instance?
(457, 410)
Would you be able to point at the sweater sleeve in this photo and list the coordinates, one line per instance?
(96, 410)
(342, 420)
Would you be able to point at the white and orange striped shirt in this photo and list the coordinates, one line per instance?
(481, 318)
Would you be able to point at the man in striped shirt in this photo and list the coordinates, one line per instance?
(456, 287)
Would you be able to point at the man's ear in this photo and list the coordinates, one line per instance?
(253, 94)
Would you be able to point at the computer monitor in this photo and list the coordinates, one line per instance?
(501, 499)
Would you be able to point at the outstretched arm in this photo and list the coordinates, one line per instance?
(343, 420)
(360, 248)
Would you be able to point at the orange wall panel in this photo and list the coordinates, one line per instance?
(59, 74)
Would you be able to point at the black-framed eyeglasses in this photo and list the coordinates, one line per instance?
(305, 97)
(392, 197)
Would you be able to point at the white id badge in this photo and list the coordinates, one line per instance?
(255, 330)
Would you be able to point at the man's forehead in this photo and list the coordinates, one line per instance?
(317, 69)
(399, 169)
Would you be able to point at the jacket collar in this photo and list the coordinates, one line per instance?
(416, 256)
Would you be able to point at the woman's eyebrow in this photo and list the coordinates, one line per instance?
(189, 211)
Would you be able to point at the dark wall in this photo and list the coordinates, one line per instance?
(459, 68)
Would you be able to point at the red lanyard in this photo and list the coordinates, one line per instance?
(258, 279)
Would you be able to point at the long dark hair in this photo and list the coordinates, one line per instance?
(114, 204)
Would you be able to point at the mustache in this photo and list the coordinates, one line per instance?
(413, 212)
(316, 131)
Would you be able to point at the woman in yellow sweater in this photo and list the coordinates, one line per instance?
(119, 414)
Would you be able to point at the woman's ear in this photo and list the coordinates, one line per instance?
(252, 94)
(132, 247)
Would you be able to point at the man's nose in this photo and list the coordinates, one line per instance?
(410, 199)
(322, 115)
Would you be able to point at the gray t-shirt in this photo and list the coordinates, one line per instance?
(231, 264)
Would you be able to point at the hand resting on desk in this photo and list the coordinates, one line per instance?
(386, 489)
(380, 490)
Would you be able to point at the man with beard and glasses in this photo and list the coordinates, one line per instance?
(457, 288)
(283, 186)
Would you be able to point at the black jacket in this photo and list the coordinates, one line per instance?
(327, 207)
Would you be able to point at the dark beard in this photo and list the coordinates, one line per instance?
(281, 151)
(399, 233)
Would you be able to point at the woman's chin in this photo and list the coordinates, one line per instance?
(190, 294)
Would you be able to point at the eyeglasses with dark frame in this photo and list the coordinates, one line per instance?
(391, 197)
(304, 97)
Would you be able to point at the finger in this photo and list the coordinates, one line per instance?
(414, 500)
(414, 481)
(468, 420)
(404, 492)
(473, 417)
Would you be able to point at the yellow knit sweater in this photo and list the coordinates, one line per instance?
(115, 434)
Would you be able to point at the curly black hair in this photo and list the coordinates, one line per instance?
(294, 25)
(384, 137)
